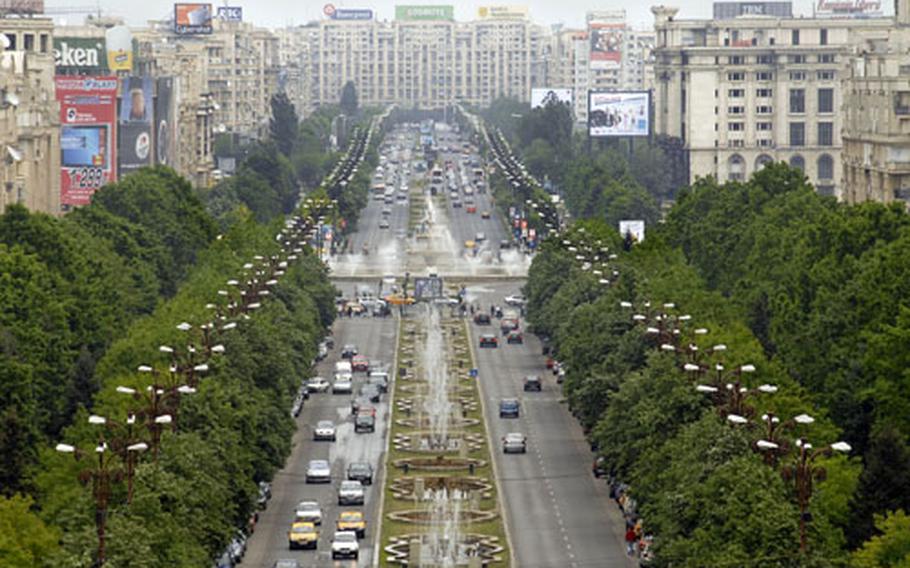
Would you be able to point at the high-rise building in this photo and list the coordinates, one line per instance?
(738, 94)
(29, 116)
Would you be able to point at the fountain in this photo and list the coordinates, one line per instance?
(444, 547)
(436, 404)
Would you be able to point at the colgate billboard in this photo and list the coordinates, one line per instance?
(88, 138)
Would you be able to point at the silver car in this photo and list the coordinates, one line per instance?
(324, 430)
(514, 443)
(308, 512)
(318, 471)
(350, 492)
(344, 384)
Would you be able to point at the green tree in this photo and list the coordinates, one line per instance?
(348, 102)
(891, 547)
(884, 484)
(25, 541)
(283, 124)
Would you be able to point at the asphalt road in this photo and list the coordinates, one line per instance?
(558, 513)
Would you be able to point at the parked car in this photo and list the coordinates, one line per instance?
(489, 340)
(599, 467)
(360, 471)
(482, 318)
(318, 471)
(308, 512)
(317, 384)
(344, 545)
(265, 493)
(237, 547)
(515, 337)
(509, 408)
(324, 431)
(514, 443)
(350, 492)
(533, 383)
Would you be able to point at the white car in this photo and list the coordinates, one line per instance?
(514, 442)
(515, 300)
(308, 512)
(344, 384)
(324, 430)
(317, 384)
(384, 224)
(350, 492)
(344, 545)
(318, 471)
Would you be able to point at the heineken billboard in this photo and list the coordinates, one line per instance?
(429, 12)
(80, 55)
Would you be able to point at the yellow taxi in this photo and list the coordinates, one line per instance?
(302, 535)
(469, 244)
(352, 521)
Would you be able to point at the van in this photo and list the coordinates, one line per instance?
(344, 367)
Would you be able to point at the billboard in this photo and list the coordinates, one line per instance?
(635, 228)
(347, 13)
(119, 42)
(80, 55)
(22, 7)
(230, 14)
(502, 13)
(619, 113)
(606, 44)
(88, 112)
(135, 134)
(542, 97)
(191, 19)
(849, 8)
(422, 13)
(165, 123)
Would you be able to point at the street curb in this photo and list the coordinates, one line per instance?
(503, 511)
(377, 551)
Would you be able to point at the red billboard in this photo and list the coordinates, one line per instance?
(88, 136)
(606, 44)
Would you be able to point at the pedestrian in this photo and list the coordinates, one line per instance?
(492, 310)
(630, 541)
(472, 310)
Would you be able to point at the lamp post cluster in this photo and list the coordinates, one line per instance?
(734, 400)
(591, 255)
(155, 406)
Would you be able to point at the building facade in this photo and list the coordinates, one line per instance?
(29, 116)
(742, 93)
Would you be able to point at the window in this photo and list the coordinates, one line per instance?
(44, 42)
(826, 58)
(764, 76)
(797, 100)
(763, 126)
(764, 59)
(736, 110)
(736, 76)
(823, 36)
(794, 37)
(825, 75)
(736, 60)
(762, 161)
(764, 92)
(735, 126)
(797, 162)
(825, 167)
(797, 75)
(765, 143)
(825, 133)
(826, 100)
(29, 42)
(799, 58)
(902, 103)
(764, 109)
(826, 190)
(736, 167)
(797, 134)
(736, 93)
(12, 42)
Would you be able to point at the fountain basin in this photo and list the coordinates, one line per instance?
(425, 517)
(487, 547)
(425, 442)
(403, 487)
(424, 422)
(439, 463)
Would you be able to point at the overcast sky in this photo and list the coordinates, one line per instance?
(279, 13)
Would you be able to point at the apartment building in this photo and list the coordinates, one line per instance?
(743, 92)
(29, 116)
(876, 136)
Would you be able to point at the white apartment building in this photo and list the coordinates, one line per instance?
(744, 92)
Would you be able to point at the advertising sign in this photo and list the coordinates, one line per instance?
(88, 113)
(423, 13)
(502, 13)
(80, 55)
(22, 7)
(119, 41)
(849, 8)
(543, 97)
(230, 13)
(191, 19)
(347, 13)
(165, 123)
(625, 113)
(606, 44)
(636, 228)
(135, 133)
(428, 288)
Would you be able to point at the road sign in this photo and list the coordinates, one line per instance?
(473, 373)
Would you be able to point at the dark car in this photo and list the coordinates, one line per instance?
(364, 422)
(348, 351)
(482, 318)
(508, 324)
(509, 408)
(533, 383)
(360, 471)
(515, 337)
(505, 245)
(489, 340)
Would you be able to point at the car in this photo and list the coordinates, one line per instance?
(348, 351)
(350, 492)
(560, 375)
(302, 535)
(508, 324)
(324, 430)
(599, 467)
(370, 392)
(484, 214)
(225, 560)
(386, 211)
(360, 364)
(514, 443)
(489, 340)
(480, 236)
(360, 471)
(265, 493)
(380, 379)
(308, 512)
(344, 384)
(344, 545)
(471, 208)
(515, 337)
(469, 244)
(352, 521)
(364, 420)
(482, 318)
(509, 408)
(317, 384)
(286, 563)
(388, 200)
(318, 471)
(329, 341)
(515, 300)
(505, 245)
(344, 367)
(237, 546)
(322, 351)
(456, 204)
(533, 383)
(384, 224)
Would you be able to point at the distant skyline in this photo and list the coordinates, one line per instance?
(281, 13)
